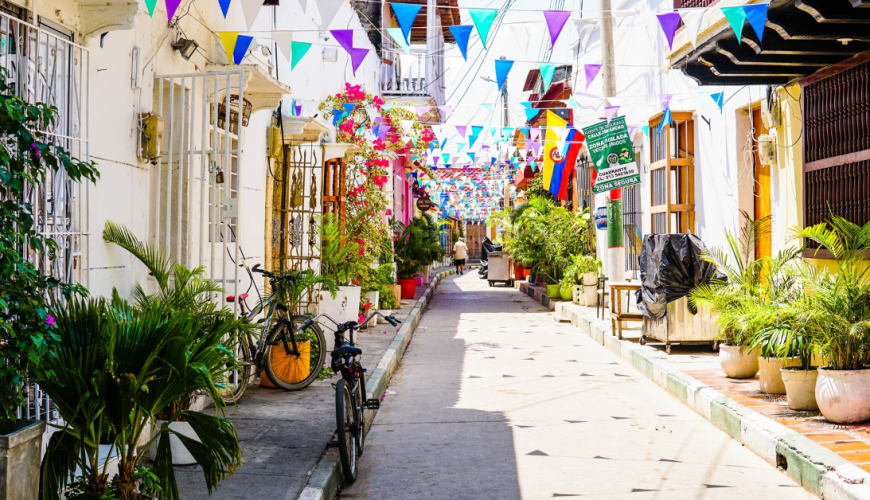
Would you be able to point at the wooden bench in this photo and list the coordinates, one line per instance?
(617, 316)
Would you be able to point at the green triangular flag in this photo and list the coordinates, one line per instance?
(483, 19)
(547, 71)
(150, 4)
(297, 50)
(645, 130)
(736, 16)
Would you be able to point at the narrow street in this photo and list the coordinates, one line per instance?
(495, 399)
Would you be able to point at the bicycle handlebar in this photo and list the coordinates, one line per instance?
(389, 319)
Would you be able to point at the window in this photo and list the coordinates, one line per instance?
(836, 166)
(672, 174)
(632, 227)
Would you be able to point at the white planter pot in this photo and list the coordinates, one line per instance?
(769, 376)
(19, 461)
(800, 388)
(578, 297)
(844, 395)
(737, 364)
(342, 308)
(590, 289)
(180, 455)
(373, 298)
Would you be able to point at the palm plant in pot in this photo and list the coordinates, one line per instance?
(415, 248)
(339, 260)
(834, 312)
(746, 285)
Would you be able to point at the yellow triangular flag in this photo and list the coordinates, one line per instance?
(228, 38)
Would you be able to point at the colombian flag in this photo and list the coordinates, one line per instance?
(559, 164)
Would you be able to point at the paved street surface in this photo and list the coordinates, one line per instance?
(495, 399)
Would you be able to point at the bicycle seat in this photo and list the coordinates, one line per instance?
(346, 349)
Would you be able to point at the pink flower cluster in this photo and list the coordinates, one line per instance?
(362, 245)
(379, 180)
(427, 135)
(354, 93)
(379, 144)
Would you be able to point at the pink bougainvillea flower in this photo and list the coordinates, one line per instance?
(367, 306)
(389, 212)
(361, 318)
(49, 320)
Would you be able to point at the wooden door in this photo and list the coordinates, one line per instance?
(761, 186)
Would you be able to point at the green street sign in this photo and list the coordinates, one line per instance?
(612, 153)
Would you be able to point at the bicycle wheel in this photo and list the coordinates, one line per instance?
(237, 378)
(345, 416)
(360, 397)
(288, 371)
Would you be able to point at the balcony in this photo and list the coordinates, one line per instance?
(416, 85)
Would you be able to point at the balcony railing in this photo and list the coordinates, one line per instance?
(414, 83)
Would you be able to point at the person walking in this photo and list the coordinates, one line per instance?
(460, 252)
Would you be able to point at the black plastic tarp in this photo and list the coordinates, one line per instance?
(488, 246)
(670, 267)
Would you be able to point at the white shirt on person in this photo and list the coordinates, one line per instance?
(460, 250)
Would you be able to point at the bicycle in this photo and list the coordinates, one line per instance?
(350, 393)
(289, 363)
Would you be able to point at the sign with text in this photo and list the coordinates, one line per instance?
(612, 153)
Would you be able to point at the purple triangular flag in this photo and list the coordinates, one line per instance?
(632, 129)
(356, 58)
(665, 100)
(591, 71)
(171, 7)
(669, 22)
(610, 112)
(461, 130)
(536, 132)
(344, 38)
(555, 22)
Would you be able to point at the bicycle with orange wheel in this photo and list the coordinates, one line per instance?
(290, 350)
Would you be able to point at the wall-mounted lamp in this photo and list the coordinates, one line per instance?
(185, 47)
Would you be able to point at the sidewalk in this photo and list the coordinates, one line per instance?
(831, 461)
(283, 435)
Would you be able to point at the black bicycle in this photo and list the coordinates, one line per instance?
(291, 353)
(350, 393)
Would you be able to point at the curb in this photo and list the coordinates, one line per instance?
(819, 470)
(324, 481)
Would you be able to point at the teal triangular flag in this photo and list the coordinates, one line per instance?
(460, 34)
(297, 51)
(547, 71)
(475, 130)
(525, 132)
(530, 112)
(572, 103)
(645, 130)
(446, 157)
(507, 131)
(736, 17)
(399, 37)
(459, 146)
(483, 19)
(666, 120)
(488, 107)
(756, 15)
(502, 68)
(471, 155)
(719, 99)
(405, 15)
(492, 131)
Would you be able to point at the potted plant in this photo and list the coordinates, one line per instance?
(834, 312)
(114, 368)
(553, 273)
(31, 158)
(581, 274)
(744, 285)
(339, 260)
(415, 247)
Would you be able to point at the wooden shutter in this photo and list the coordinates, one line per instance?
(672, 174)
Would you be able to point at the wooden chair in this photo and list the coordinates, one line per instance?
(601, 289)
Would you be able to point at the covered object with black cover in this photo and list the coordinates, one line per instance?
(670, 267)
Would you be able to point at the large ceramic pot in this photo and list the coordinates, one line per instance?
(374, 299)
(553, 291)
(738, 361)
(590, 289)
(527, 273)
(409, 288)
(344, 306)
(769, 375)
(800, 388)
(180, 455)
(20, 453)
(844, 395)
(519, 272)
(565, 292)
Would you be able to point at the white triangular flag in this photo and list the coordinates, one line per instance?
(585, 29)
(304, 5)
(328, 10)
(284, 40)
(521, 36)
(692, 19)
(251, 8)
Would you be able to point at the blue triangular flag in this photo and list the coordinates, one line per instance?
(242, 44)
(530, 112)
(666, 120)
(405, 14)
(475, 130)
(225, 6)
(461, 34)
(348, 107)
(719, 99)
(756, 15)
(525, 132)
(443, 143)
(471, 155)
(502, 68)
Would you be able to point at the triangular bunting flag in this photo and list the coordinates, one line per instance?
(405, 15)
(171, 7)
(665, 99)
(530, 112)
(251, 8)
(555, 22)
(572, 104)
(488, 107)
(692, 19)
(483, 19)
(591, 71)
(756, 15)
(471, 155)
(666, 120)
(422, 110)
(328, 10)
(150, 4)
(719, 99)
(356, 58)
(446, 158)
(645, 130)
(736, 17)
(228, 39)
(669, 22)
(547, 71)
(475, 130)
(242, 44)
(297, 51)
(344, 38)
(585, 29)
(460, 34)
(396, 34)
(459, 146)
(502, 68)
(610, 112)
(304, 5)
(521, 37)
(460, 129)
(224, 4)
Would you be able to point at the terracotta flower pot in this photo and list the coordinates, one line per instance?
(527, 273)
(800, 388)
(769, 375)
(519, 272)
(409, 288)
